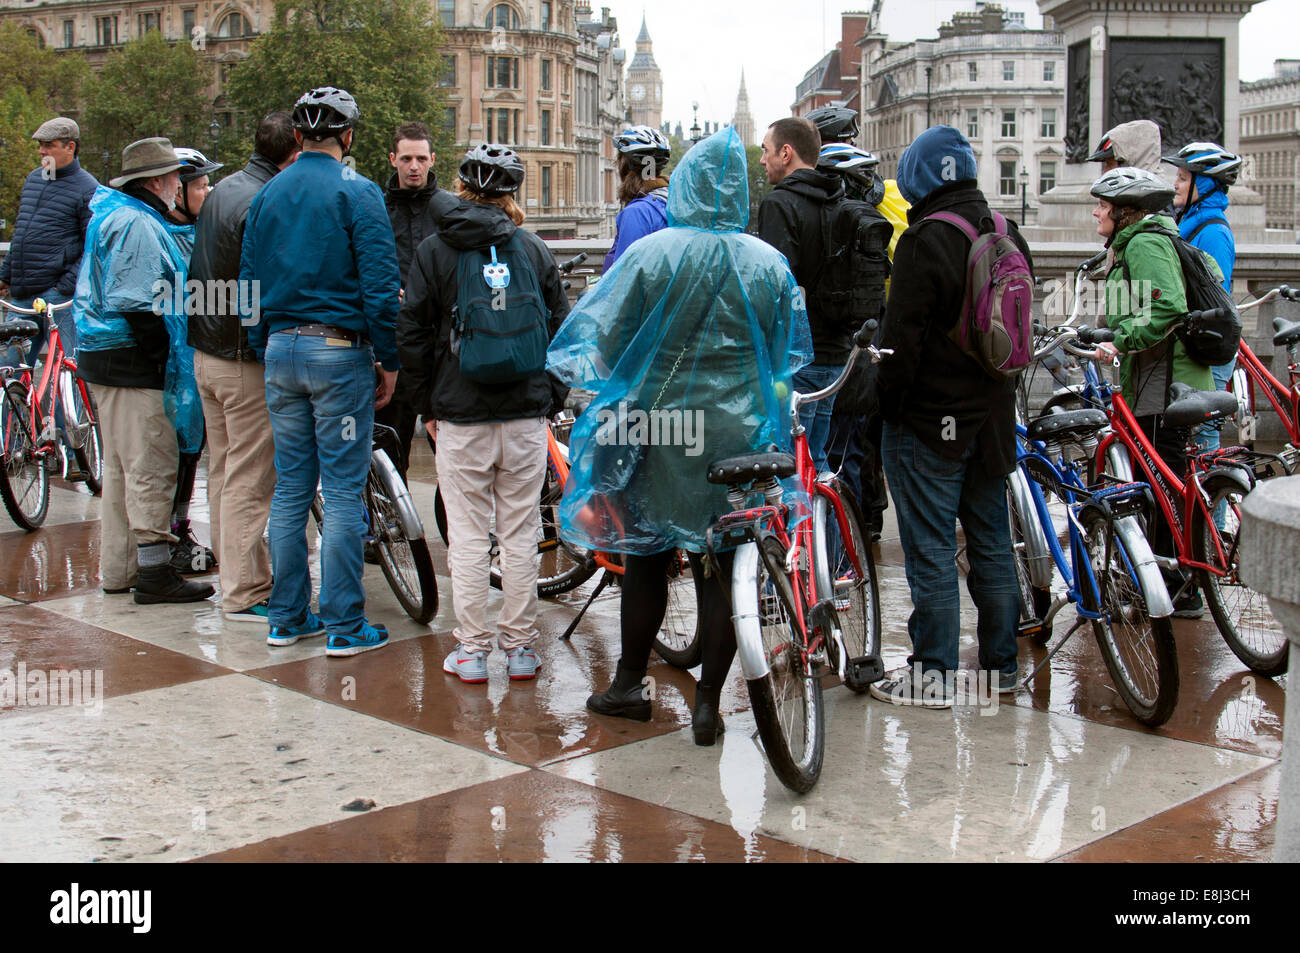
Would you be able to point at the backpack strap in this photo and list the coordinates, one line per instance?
(1209, 221)
(952, 218)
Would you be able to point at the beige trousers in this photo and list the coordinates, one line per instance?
(241, 475)
(140, 460)
(486, 469)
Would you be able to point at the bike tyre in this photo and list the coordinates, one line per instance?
(859, 616)
(18, 459)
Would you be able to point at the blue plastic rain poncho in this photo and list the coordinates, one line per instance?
(690, 341)
(133, 263)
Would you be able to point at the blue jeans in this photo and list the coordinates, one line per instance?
(321, 399)
(931, 493)
(1207, 438)
(816, 418)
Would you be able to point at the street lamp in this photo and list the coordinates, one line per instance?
(105, 156)
(3, 221)
(695, 123)
(928, 70)
(214, 133)
(1024, 201)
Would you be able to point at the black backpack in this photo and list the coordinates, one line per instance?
(851, 285)
(499, 329)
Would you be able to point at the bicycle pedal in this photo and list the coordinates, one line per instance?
(1034, 627)
(866, 669)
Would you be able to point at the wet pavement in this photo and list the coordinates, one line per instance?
(193, 739)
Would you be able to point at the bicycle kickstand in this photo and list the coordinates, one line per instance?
(1056, 648)
(604, 581)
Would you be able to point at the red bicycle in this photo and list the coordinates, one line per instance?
(1251, 379)
(33, 442)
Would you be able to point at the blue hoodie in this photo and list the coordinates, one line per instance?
(641, 217)
(937, 157)
(1216, 240)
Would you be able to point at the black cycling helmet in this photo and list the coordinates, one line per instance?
(1105, 150)
(325, 111)
(194, 164)
(1208, 159)
(492, 169)
(645, 141)
(1135, 187)
(835, 123)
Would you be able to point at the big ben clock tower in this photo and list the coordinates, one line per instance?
(645, 88)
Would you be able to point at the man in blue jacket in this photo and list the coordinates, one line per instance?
(319, 245)
(50, 231)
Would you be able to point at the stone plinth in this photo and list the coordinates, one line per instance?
(1270, 563)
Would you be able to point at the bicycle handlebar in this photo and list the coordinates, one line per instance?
(573, 263)
(39, 306)
(861, 342)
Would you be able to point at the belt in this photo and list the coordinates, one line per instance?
(355, 338)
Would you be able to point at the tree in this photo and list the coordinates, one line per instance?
(148, 88)
(759, 187)
(383, 52)
(38, 85)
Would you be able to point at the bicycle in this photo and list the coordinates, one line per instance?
(33, 444)
(803, 588)
(394, 526)
(1250, 378)
(1112, 577)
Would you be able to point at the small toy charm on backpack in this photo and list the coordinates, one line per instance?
(496, 273)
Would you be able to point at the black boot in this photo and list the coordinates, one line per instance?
(706, 719)
(164, 584)
(626, 698)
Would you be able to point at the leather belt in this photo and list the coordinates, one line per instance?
(327, 331)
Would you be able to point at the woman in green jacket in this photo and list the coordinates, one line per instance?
(1145, 301)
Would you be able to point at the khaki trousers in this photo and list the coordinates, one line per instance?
(241, 475)
(485, 469)
(140, 460)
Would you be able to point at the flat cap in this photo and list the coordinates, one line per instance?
(60, 127)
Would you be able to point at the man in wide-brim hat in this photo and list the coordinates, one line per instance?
(130, 263)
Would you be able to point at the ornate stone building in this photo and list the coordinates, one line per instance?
(1270, 142)
(744, 120)
(645, 88)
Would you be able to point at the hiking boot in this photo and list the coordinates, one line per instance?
(901, 687)
(706, 718)
(626, 698)
(189, 556)
(469, 667)
(370, 637)
(163, 584)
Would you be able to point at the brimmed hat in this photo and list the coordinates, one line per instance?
(60, 127)
(146, 158)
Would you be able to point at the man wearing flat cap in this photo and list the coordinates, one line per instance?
(122, 353)
(51, 226)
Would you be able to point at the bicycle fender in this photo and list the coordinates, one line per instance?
(1238, 473)
(406, 512)
(1129, 530)
(744, 602)
(1038, 554)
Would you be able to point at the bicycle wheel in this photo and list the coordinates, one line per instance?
(405, 562)
(852, 585)
(1035, 602)
(84, 432)
(1139, 651)
(1242, 614)
(787, 702)
(24, 481)
(678, 641)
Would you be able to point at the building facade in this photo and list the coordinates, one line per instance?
(834, 79)
(1003, 86)
(645, 87)
(743, 120)
(1270, 142)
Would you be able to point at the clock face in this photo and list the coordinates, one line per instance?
(638, 92)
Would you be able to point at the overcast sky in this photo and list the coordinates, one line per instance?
(701, 45)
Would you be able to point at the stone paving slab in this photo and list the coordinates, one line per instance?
(188, 770)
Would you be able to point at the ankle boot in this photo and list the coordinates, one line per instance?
(706, 718)
(626, 698)
(164, 584)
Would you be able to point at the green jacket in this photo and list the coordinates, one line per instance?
(1144, 319)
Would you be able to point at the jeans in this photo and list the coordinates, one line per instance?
(321, 399)
(67, 328)
(816, 418)
(1207, 438)
(931, 493)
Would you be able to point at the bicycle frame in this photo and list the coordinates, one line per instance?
(558, 460)
(45, 439)
(1284, 400)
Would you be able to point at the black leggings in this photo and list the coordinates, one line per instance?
(185, 475)
(645, 599)
(1172, 448)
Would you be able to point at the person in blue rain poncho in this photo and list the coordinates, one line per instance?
(131, 350)
(687, 347)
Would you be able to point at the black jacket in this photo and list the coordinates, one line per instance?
(790, 220)
(412, 218)
(929, 384)
(219, 237)
(50, 232)
(424, 325)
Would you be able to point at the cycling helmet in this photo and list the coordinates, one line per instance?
(644, 141)
(1208, 159)
(835, 123)
(856, 166)
(194, 164)
(492, 169)
(1105, 150)
(325, 111)
(1136, 187)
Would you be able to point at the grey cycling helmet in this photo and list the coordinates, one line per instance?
(1135, 187)
(492, 169)
(1208, 159)
(194, 164)
(835, 123)
(856, 166)
(325, 111)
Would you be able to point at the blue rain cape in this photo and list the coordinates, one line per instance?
(133, 262)
(689, 341)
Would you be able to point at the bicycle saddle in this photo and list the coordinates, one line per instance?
(18, 328)
(1285, 333)
(1189, 407)
(751, 466)
(1069, 424)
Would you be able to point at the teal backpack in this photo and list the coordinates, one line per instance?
(500, 322)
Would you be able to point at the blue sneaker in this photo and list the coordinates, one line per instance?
(370, 637)
(289, 634)
(256, 613)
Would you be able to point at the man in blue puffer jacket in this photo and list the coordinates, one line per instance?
(51, 229)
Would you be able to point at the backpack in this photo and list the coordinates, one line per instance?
(851, 284)
(499, 324)
(996, 324)
(1212, 337)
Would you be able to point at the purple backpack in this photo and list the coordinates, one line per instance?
(996, 325)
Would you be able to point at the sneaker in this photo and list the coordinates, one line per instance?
(522, 663)
(289, 634)
(189, 556)
(1007, 683)
(1189, 605)
(469, 667)
(256, 613)
(900, 688)
(370, 637)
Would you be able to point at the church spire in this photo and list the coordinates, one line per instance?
(743, 121)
